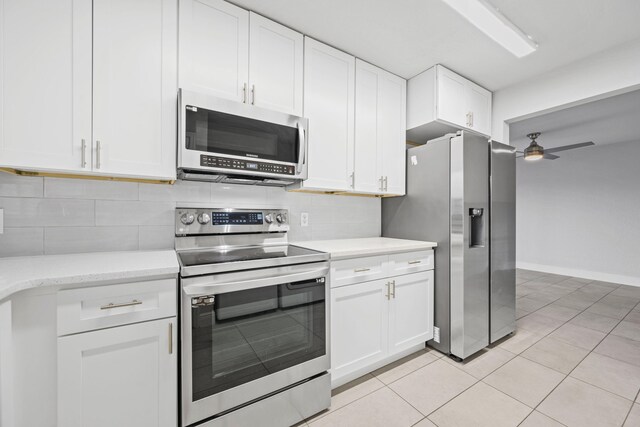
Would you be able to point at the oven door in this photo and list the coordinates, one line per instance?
(228, 137)
(248, 334)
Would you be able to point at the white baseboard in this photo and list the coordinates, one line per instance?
(583, 274)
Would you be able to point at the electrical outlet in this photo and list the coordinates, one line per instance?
(304, 219)
(436, 334)
(1, 221)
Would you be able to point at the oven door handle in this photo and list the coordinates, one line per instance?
(302, 154)
(206, 288)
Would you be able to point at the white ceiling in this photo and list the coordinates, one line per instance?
(607, 121)
(409, 36)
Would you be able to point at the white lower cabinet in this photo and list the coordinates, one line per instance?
(359, 326)
(377, 321)
(124, 376)
(411, 311)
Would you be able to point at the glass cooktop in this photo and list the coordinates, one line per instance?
(245, 258)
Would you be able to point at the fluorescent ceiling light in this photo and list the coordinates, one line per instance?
(491, 22)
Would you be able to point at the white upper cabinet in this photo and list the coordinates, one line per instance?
(134, 87)
(479, 108)
(89, 87)
(380, 131)
(440, 101)
(214, 48)
(329, 106)
(228, 52)
(45, 84)
(368, 175)
(451, 91)
(275, 65)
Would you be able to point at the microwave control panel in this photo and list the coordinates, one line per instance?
(245, 165)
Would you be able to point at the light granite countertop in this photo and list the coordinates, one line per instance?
(22, 273)
(354, 248)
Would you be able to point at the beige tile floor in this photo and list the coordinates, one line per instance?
(573, 361)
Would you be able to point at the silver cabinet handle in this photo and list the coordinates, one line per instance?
(360, 270)
(170, 338)
(415, 262)
(353, 179)
(393, 286)
(123, 304)
(388, 295)
(380, 183)
(98, 154)
(253, 94)
(302, 152)
(385, 182)
(244, 93)
(471, 117)
(83, 163)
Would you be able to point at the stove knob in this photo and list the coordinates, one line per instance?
(268, 218)
(281, 218)
(187, 218)
(204, 218)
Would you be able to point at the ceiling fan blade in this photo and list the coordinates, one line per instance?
(568, 147)
(550, 156)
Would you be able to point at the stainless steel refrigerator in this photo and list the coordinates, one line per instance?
(461, 194)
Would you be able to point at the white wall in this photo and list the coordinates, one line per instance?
(580, 215)
(57, 215)
(608, 73)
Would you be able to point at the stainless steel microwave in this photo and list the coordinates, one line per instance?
(228, 141)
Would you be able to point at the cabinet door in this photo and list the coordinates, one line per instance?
(124, 376)
(329, 94)
(368, 176)
(135, 87)
(45, 84)
(411, 311)
(451, 93)
(359, 326)
(392, 104)
(214, 48)
(275, 66)
(479, 107)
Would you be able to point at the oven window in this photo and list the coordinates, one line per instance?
(250, 334)
(221, 133)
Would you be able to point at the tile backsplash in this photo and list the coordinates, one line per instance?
(59, 215)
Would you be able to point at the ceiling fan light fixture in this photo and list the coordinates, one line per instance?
(533, 151)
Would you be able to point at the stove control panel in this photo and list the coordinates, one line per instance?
(197, 221)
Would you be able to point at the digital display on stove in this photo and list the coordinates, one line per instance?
(236, 218)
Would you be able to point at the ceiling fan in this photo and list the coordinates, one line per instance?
(537, 152)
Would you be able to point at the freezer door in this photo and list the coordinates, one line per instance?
(469, 283)
(423, 214)
(503, 240)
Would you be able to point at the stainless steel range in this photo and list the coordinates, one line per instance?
(254, 320)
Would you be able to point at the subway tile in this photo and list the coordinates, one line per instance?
(32, 212)
(156, 237)
(64, 188)
(20, 186)
(64, 240)
(227, 195)
(181, 191)
(110, 212)
(22, 242)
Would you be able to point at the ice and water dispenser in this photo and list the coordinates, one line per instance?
(476, 228)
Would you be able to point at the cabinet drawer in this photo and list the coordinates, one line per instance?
(410, 262)
(356, 270)
(87, 309)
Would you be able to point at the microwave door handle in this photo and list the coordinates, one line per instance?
(206, 287)
(302, 155)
